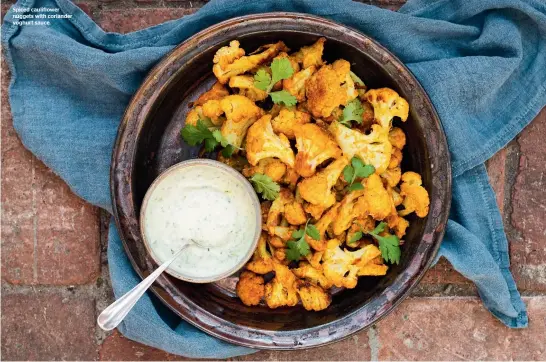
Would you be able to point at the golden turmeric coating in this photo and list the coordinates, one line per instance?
(306, 150)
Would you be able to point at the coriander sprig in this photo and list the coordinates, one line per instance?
(352, 112)
(200, 133)
(388, 245)
(357, 168)
(299, 247)
(280, 69)
(264, 185)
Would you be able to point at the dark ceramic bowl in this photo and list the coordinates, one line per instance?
(149, 142)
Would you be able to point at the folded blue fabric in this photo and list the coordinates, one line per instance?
(482, 63)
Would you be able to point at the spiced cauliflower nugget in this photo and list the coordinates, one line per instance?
(216, 92)
(271, 167)
(375, 200)
(288, 120)
(262, 262)
(415, 196)
(230, 61)
(262, 142)
(312, 296)
(311, 55)
(387, 104)
(281, 291)
(374, 148)
(315, 275)
(245, 84)
(314, 147)
(317, 189)
(250, 288)
(330, 87)
(295, 85)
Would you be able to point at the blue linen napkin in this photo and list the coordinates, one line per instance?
(483, 64)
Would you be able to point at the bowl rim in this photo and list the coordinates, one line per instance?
(199, 162)
(360, 319)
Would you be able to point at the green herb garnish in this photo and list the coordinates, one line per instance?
(200, 133)
(280, 69)
(298, 247)
(352, 112)
(388, 245)
(357, 168)
(264, 185)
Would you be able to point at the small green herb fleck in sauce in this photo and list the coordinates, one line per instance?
(206, 204)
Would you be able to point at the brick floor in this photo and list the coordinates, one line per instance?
(55, 280)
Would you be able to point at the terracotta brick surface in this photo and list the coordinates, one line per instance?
(443, 273)
(528, 247)
(136, 19)
(47, 326)
(496, 169)
(459, 329)
(49, 235)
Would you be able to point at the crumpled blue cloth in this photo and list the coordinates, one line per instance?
(483, 64)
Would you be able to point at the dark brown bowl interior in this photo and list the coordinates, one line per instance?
(149, 142)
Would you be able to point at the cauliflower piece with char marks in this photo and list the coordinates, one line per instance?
(262, 142)
(240, 113)
(288, 120)
(230, 61)
(387, 104)
(347, 212)
(322, 226)
(245, 84)
(311, 55)
(250, 288)
(317, 189)
(261, 263)
(281, 291)
(314, 275)
(271, 167)
(330, 87)
(216, 92)
(415, 196)
(312, 296)
(374, 148)
(314, 147)
(397, 138)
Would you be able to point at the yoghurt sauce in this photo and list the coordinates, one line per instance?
(207, 204)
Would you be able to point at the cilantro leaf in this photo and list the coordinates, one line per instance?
(292, 253)
(210, 144)
(356, 186)
(312, 231)
(352, 112)
(264, 185)
(348, 173)
(356, 236)
(194, 135)
(298, 234)
(283, 97)
(262, 79)
(220, 138)
(389, 245)
(228, 151)
(281, 68)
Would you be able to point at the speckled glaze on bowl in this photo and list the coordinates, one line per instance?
(149, 142)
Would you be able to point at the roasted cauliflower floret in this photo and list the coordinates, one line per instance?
(314, 147)
(397, 138)
(277, 208)
(330, 87)
(271, 167)
(308, 272)
(374, 148)
(290, 178)
(387, 104)
(315, 211)
(281, 291)
(370, 262)
(240, 114)
(338, 265)
(322, 225)
(347, 212)
(317, 189)
(230, 61)
(261, 263)
(250, 288)
(288, 120)
(216, 92)
(295, 85)
(415, 196)
(237, 162)
(245, 84)
(311, 55)
(294, 213)
(396, 158)
(262, 142)
(212, 109)
(398, 224)
(375, 201)
(195, 115)
(312, 296)
(392, 176)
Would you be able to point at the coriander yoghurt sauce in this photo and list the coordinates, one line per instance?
(206, 204)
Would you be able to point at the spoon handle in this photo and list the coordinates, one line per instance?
(115, 312)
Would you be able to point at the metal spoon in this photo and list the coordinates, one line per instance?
(115, 312)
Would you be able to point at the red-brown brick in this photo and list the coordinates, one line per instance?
(136, 19)
(459, 329)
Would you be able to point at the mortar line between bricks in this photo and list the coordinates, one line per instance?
(86, 290)
(374, 343)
